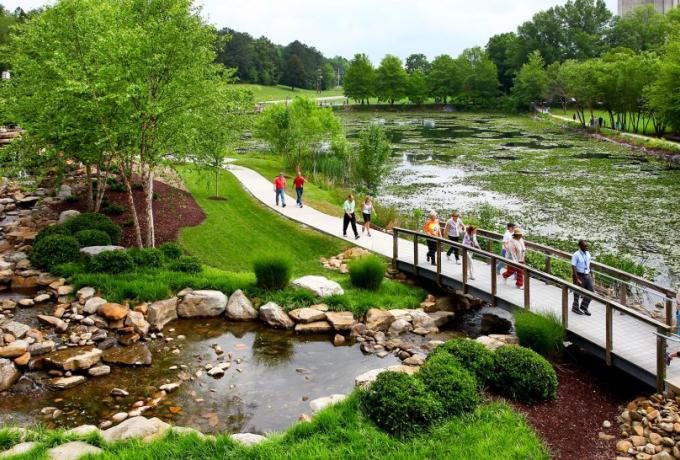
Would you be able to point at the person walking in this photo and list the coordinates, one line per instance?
(366, 212)
(453, 229)
(516, 252)
(470, 240)
(299, 183)
(280, 189)
(580, 272)
(432, 229)
(510, 228)
(349, 217)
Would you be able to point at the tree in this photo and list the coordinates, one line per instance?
(585, 24)
(531, 82)
(390, 80)
(302, 64)
(340, 66)
(417, 90)
(642, 29)
(444, 78)
(663, 96)
(238, 52)
(479, 75)
(294, 71)
(360, 79)
(267, 61)
(502, 50)
(579, 78)
(372, 154)
(417, 62)
(328, 78)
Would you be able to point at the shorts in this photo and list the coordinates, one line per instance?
(367, 217)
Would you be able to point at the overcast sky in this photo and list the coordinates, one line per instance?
(375, 27)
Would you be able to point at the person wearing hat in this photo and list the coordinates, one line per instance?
(580, 273)
(453, 229)
(516, 251)
(432, 229)
(280, 189)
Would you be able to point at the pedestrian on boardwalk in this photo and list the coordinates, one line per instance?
(453, 229)
(510, 228)
(432, 229)
(349, 216)
(516, 252)
(299, 184)
(280, 189)
(366, 212)
(470, 240)
(580, 272)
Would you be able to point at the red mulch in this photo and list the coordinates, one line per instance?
(173, 209)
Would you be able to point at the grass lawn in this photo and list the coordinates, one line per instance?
(263, 93)
(493, 431)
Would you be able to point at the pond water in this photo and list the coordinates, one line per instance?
(553, 182)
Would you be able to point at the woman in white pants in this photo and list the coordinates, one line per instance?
(470, 240)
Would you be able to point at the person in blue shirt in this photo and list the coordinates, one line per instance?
(581, 276)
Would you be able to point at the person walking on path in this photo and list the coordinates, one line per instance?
(470, 240)
(432, 229)
(516, 252)
(280, 189)
(366, 212)
(349, 216)
(510, 228)
(299, 183)
(453, 229)
(580, 272)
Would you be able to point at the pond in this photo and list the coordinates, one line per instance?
(554, 182)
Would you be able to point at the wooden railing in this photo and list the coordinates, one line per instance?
(610, 305)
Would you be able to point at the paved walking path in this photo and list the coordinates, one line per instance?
(633, 340)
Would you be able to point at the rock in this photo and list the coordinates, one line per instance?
(74, 359)
(338, 340)
(663, 455)
(488, 342)
(161, 313)
(364, 380)
(378, 320)
(319, 285)
(638, 440)
(64, 383)
(169, 387)
(94, 250)
(306, 315)
(68, 214)
(240, 308)
(23, 359)
(341, 320)
(137, 321)
(186, 431)
(18, 330)
(40, 348)
(655, 438)
(119, 417)
(92, 305)
(623, 446)
(73, 451)
(414, 360)
(113, 311)
(41, 298)
(19, 449)
(26, 302)
(441, 318)
(321, 403)
(99, 371)
(248, 439)
(203, 303)
(84, 294)
(400, 326)
(8, 374)
(14, 349)
(64, 290)
(274, 316)
(317, 327)
(57, 323)
(82, 430)
(216, 372)
(605, 437)
(137, 354)
(136, 427)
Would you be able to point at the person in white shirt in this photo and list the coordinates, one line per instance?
(453, 229)
(366, 212)
(510, 228)
(516, 251)
(470, 239)
(581, 275)
(349, 217)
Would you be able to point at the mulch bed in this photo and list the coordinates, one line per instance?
(173, 209)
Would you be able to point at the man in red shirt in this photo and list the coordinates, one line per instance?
(280, 189)
(299, 183)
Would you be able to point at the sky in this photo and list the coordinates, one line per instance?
(374, 27)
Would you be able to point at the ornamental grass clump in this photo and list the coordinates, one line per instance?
(54, 250)
(524, 375)
(272, 272)
(111, 262)
(93, 238)
(472, 356)
(401, 405)
(367, 272)
(455, 387)
(543, 332)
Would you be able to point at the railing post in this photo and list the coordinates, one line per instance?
(547, 264)
(439, 262)
(622, 294)
(488, 244)
(565, 307)
(609, 334)
(527, 289)
(415, 254)
(395, 248)
(494, 282)
(669, 311)
(660, 361)
(465, 269)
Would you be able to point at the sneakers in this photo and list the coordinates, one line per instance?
(284, 205)
(585, 311)
(576, 311)
(356, 237)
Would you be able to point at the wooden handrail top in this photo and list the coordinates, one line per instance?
(544, 276)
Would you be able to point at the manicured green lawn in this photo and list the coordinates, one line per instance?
(263, 93)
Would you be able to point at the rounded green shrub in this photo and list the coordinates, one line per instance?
(147, 257)
(94, 221)
(272, 271)
(524, 375)
(367, 272)
(543, 333)
(111, 262)
(471, 355)
(51, 230)
(54, 250)
(455, 387)
(400, 404)
(171, 250)
(187, 264)
(93, 238)
(114, 209)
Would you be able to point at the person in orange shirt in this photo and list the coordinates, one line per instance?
(432, 229)
(280, 189)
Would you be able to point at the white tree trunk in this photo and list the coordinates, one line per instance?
(150, 232)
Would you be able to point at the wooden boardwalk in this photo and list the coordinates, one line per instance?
(629, 340)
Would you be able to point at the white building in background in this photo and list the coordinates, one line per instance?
(662, 6)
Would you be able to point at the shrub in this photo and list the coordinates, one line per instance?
(187, 264)
(455, 387)
(147, 257)
(128, 223)
(137, 186)
(367, 272)
(71, 198)
(51, 230)
(94, 221)
(272, 271)
(54, 250)
(111, 262)
(524, 375)
(471, 355)
(543, 333)
(400, 404)
(171, 250)
(93, 238)
(117, 187)
(114, 209)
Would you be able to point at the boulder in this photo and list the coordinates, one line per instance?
(94, 250)
(248, 439)
(378, 320)
(161, 313)
(68, 214)
(321, 403)
(19, 449)
(137, 354)
(85, 294)
(64, 383)
(113, 311)
(441, 318)
(317, 327)
(490, 343)
(18, 330)
(240, 308)
(40, 348)
(274, 316)
(74, 359)
(400, 326)
(202, 303)
(319, 285)
(8, 374)
(136, 428)
(306, 315)
(98, 371)
(137, 321)
(341, 320)
(421, 319)
(41, 298)
(82, 430)
(72, 451)
(92, 305)
(14, 349)
(58, 324)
